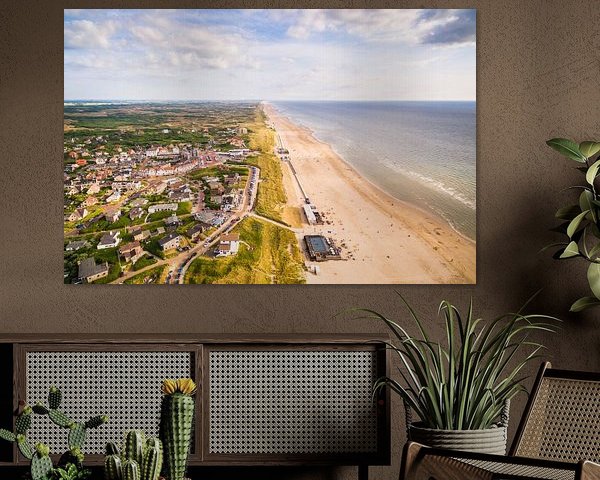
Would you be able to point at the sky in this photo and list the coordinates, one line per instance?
(269, 54)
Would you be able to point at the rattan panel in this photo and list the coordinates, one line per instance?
(123, 385)
(292, 402)
(564, 423)
(528, 472)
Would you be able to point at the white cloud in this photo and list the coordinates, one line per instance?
(401, 25)
(88, 34)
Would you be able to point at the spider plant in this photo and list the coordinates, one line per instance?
(464, 384)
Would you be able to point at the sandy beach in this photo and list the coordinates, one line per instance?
(383, 239)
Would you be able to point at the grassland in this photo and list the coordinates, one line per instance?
(268, 254)
(271, 199)
(153, 275)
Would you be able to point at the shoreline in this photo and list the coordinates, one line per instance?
(406, 203)
(438, 253)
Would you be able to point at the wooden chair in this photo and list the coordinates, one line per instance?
(558, 438)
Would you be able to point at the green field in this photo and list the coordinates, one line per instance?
(271, 198)
(270, 255)
(149, 276)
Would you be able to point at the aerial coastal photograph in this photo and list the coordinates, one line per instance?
(270, 146)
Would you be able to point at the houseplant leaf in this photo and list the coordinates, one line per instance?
(574, 225)
(568, 148)
(589, 149)
(593, 276)
(572, 250)
(570, 212)
(590, 176)
(583, 303)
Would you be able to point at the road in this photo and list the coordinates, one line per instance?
(248, 201)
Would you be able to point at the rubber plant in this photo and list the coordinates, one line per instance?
(581, 220)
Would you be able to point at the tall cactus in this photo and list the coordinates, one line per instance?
(134, 446)
(177, 413)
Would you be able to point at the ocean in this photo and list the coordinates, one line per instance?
(420, 152)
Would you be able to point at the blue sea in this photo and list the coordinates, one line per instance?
(420, 152)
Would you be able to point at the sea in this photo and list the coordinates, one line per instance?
(420, 152)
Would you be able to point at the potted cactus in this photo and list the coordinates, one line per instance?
(177, 414)
(141, 460)
(70, 465)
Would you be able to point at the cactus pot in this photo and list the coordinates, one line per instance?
(490, 440)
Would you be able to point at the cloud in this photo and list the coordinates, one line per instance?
(88, 34)
(401, 25)
(450, 26)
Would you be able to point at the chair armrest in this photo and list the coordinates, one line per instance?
(589, 470)
(425, 463)
(420, 463)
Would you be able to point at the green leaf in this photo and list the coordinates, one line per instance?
(584, 303)
(594, 251)
(572, 250)
(590, 176)
(593, 276)
(585, 203)
(589, 149)
(574, 225)
(570, 212)
(568, 148)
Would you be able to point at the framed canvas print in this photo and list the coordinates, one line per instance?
(269, 146)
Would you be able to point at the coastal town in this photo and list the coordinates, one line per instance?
(187, 201)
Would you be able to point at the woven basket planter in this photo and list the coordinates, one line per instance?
(490, 440)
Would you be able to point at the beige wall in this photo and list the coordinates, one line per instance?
(538, 77)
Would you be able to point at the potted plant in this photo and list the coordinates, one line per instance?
(581, 221)
(461, 390)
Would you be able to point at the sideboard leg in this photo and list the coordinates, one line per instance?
(363, 472)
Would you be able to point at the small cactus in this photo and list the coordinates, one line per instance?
(77, 435)
(7, 435)
(152, 460)
(131, 470)
(59, 418)
(134, 446)
(113, 468)
(177, 412)
(23, 421)
(54, 398)
(41, 464)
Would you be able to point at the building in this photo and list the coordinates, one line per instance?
(76, 245)
(136, 212)
(131, 252)
(89, 201)
(138, 202)
(193, 233)
(216, 188)
(229, 244)
(112, 215)
(109, 240)
(77, 214)
(140, 235)
(89, 271)
(309, 214)
(172, 221)
(114, 196)
(162, 207)
(169, 242)
(320, 248)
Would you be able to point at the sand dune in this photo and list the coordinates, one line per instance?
(384, 239)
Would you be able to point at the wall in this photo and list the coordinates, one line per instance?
(538, 77)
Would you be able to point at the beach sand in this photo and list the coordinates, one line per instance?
(383, 239)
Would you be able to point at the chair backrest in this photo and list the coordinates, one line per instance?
(562, 418)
